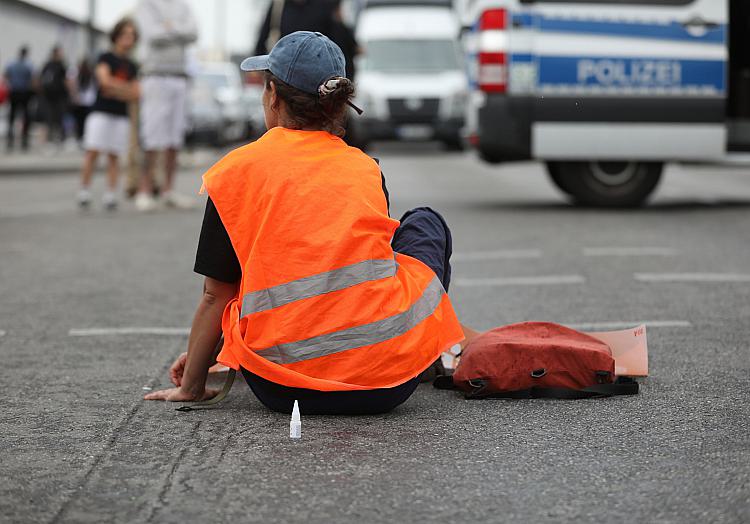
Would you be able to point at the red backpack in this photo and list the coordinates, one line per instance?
(537, 360)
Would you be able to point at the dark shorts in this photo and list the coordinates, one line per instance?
(424, 235)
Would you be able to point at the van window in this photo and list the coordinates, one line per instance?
(411, 56)
(214, 80)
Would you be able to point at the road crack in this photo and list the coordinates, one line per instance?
(104, 452)
(168, 482)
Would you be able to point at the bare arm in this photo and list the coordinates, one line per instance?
(112, 87)
(202, 344)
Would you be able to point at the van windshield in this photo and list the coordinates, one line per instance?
(411, 56)
(214, 80)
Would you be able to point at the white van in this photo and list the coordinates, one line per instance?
(411, 80)
(607, 91)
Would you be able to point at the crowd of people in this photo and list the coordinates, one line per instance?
(114, 107)
(42, 94)
(118, 109)
(47, 94)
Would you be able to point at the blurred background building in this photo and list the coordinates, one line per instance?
(41, 27)
(226, 26)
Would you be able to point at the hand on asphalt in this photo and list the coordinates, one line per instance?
(175, 372)
(178, 395)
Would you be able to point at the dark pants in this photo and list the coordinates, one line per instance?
(19, 106)
(80, 113)
(54, 107)
(424, 235)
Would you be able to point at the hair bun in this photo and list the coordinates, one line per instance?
(332, 85)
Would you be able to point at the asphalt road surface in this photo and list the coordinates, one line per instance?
(77, 443)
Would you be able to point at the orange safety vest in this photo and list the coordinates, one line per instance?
(324, 303)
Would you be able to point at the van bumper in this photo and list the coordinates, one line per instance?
(387, 130)
(504, 128)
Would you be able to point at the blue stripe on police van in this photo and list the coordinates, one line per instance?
(521, 58)
(523, 20)
(671, 31)
(618, 72)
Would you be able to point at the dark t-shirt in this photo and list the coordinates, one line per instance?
(343, 36)
(300, 15)
(53, 80)
(122, 69)
(215, 257)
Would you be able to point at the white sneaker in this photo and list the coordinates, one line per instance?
(110, 201)
(178, 201)
(144, 202)
(84, 198)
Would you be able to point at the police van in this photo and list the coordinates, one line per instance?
(411, 79)
(606, 91)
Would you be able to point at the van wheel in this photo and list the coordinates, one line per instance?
(605, 183)
(554, 176)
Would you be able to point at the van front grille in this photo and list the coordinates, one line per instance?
(413, 110)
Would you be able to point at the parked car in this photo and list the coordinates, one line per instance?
(220, 109)
(252, 94)
(411, 82)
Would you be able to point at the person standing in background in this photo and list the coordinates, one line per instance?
(343, 36)
(20, 77)
(320, 16)
(167, 28)
(287, 16)
(55, 96)
(83, 95)
(108, 126)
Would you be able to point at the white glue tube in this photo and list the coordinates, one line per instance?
(295, 426)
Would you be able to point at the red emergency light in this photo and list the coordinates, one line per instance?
(492, 53)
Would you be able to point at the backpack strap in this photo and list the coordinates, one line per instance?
(218, 398)
(622, 386)
(444, 381)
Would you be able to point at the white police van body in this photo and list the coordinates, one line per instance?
(605, 91)
(411, 79)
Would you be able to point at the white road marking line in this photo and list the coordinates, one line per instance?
(96, 332)
(692, 277)
(628, 251)
(501, 254)
(613, 326)
(547, 280)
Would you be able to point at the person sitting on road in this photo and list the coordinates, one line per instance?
(107, 128)
(321, 296)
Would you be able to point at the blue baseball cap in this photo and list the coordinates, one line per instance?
(302, 59)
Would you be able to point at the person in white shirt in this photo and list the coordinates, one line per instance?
(167, 28)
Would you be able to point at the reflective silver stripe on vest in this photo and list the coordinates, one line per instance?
(358, 336)
(320, 284)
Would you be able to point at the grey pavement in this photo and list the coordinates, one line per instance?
(41, 160)
(65, 160)
(77, 443)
